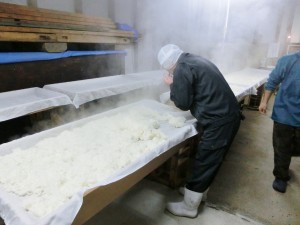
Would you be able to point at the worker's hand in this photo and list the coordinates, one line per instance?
(168, 78)
(262, 108)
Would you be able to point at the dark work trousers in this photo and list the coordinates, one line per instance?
(286, 143)
(211, 150)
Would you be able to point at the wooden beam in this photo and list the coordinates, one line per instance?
(73, 38)
(27, 37)
(43, 19)
(67, 38)
(38, 24)
(117, 33)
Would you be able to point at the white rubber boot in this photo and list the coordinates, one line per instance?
(204, 197)
(188, 207)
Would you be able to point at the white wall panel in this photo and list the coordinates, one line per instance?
(19, 2)
(65, 5)
(95, 7)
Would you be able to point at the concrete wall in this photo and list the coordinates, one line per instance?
(90, 7)
(295, 34)
(20, 2)
(125, 12)
(66, 5)
(96, 8)
(232, 35)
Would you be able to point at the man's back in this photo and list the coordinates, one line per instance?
(213, 99)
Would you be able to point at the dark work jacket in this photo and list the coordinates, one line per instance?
(200, 87)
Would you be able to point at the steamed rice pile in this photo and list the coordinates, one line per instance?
(48, 174)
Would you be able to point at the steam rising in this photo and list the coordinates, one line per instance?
(232, 33)
(62, 115)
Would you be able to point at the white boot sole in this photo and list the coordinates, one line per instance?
(178, 209)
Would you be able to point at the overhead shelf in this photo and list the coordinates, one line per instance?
(25, 24)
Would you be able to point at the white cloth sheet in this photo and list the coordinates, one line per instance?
(88, 90)
(242, 83)
(245, 82)
(14, 214)
(21, 102)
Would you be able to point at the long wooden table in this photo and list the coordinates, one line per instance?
(95, 200)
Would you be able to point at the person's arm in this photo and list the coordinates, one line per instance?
(264, 102)
(182, 87)
(275, 78)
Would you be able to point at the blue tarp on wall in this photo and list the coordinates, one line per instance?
(13, 57)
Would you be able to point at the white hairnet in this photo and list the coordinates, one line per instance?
(168, 56)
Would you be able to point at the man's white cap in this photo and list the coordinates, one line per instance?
(168, 56)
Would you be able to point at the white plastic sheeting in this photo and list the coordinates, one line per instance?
(21, 102)
(84, 91)
(14, 214)
(245, 82)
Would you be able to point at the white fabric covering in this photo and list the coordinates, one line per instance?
(10, 204)
(245, 82)
(242, 83)
(21, 102)
(83, 91)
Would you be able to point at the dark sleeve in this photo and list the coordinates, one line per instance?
(182, 87)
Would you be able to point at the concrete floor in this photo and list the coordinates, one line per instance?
(244, 182)
(145, 204)
(241, 190)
